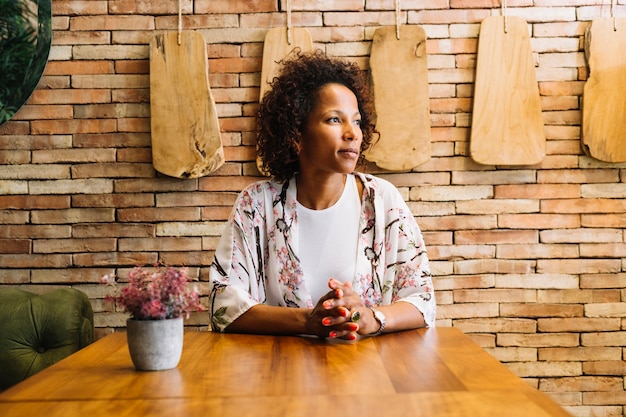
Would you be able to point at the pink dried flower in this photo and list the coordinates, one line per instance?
(157, 295)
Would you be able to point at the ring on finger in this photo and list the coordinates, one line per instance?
(355, 316)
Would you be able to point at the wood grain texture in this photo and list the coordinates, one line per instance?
(276, 48)
(604, 103)
(186, 138)
(507, 125)
(426, 372)
(399, 76)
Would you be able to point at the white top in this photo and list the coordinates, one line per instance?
(328, 241)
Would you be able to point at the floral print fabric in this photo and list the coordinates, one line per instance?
(257, 257)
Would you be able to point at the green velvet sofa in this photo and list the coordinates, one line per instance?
(39, 330)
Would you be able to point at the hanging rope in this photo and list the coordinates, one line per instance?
(506, 29)
(180, 22)
(288, 22)
(613, 15)
(398, 19)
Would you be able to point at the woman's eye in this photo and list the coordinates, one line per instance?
(357, 122)
(334, 120)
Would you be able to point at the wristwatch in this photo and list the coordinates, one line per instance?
(380, 318)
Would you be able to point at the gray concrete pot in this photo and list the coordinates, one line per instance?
(155, 345)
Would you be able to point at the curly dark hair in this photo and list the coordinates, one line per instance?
(291, 98)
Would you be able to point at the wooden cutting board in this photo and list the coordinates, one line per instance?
(186, 139)
(507, 125)
(604, 103)
(275, 48)
(399, 76)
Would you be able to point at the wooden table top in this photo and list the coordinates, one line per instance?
(425, 372)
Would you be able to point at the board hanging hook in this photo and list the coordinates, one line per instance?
(398, 19)
(288, 22)
(504, 14)
(180, 22)
(613, 15)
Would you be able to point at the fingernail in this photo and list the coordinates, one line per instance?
(352, 336)
(332, 334)
(345, 312)
(328, 304)
(338, 293)
(353, 327)
(326, 321)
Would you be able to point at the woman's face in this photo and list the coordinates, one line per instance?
(331, 135)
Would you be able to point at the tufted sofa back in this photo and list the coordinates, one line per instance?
(39, 330)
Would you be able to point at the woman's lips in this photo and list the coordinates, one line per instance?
(353, 153)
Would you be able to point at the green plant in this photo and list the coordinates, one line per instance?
(25, 38)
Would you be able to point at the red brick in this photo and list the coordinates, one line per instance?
(31, 112)
(113, 200)
(538, 191)
(81, 38)
(158, 214)
(103, 22)
(35, 231)
(70, 97)
(28, 202)
(111, 140)
(235, 6)
(128, 259)
(14, 246)
(141, 230)
(540, 310)
(160, 244)
(74, 245)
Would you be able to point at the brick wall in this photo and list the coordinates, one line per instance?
(527, 260)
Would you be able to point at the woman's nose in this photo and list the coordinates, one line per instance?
(350, 131)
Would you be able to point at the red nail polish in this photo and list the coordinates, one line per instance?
(326, 321)
(332, 334)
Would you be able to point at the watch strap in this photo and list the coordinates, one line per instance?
(381, 319)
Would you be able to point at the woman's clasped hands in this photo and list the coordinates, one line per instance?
(340, 314)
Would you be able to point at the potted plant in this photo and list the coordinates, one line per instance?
(157, 301)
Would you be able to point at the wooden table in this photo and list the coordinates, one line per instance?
(426, 372)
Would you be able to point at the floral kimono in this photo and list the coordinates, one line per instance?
(257, 260)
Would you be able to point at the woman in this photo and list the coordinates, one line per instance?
(319, 249)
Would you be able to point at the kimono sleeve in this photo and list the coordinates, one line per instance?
(407, 264)
(235, 283)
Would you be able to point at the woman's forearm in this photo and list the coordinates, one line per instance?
(401, 316)
(264, 319)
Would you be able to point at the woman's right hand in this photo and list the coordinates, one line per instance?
(330, 318)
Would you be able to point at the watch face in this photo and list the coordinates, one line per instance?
(379, 315)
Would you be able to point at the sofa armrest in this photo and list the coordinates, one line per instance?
(39, 330)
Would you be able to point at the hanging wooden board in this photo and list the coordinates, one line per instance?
(399, 77)
(276, 48)
(507, 125)
(186, 139)
(604, 103)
